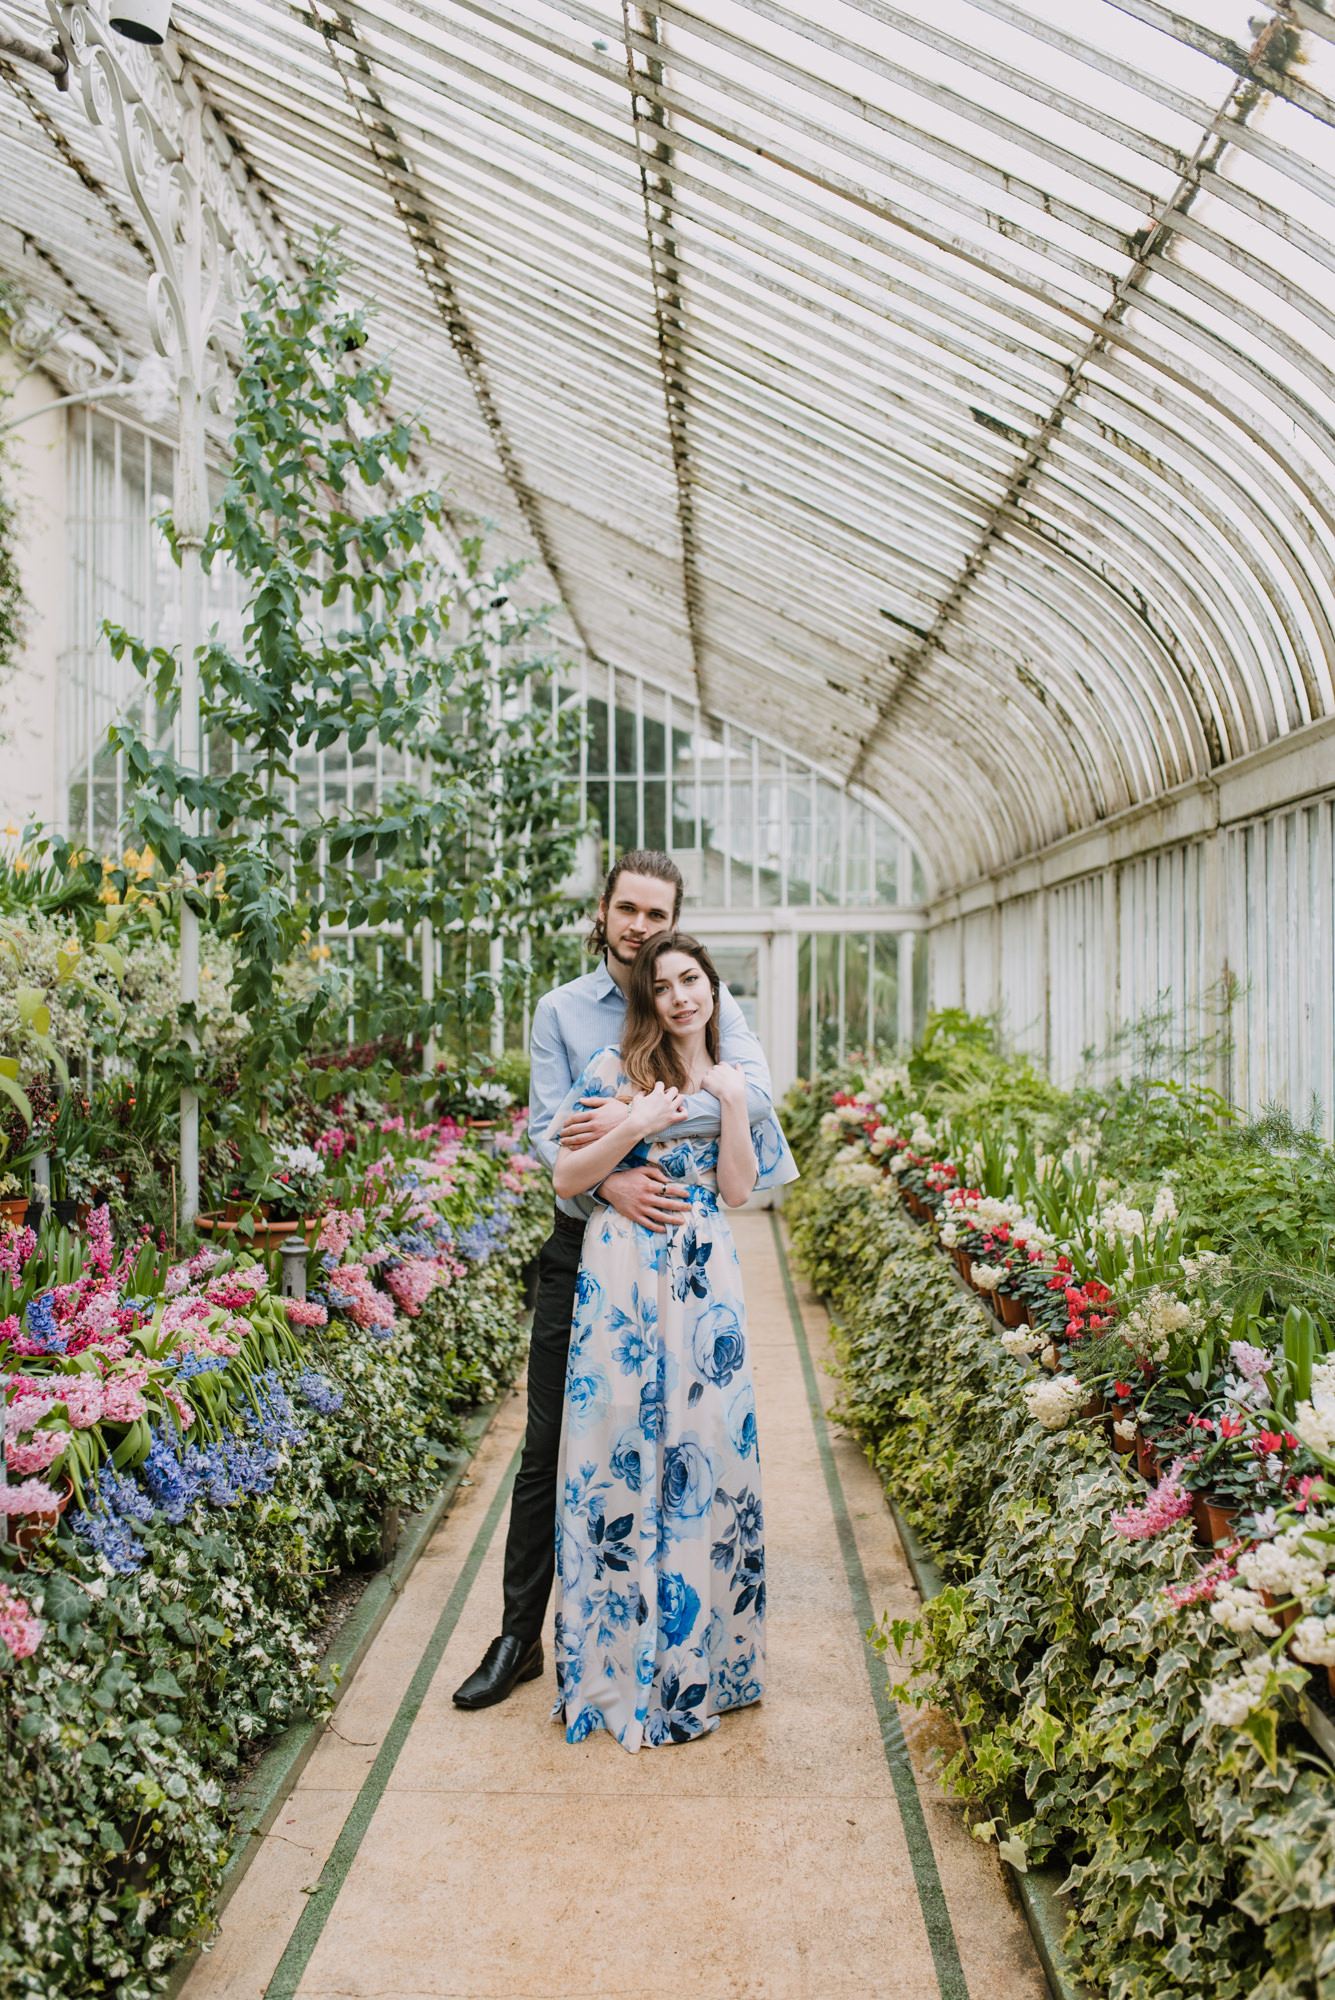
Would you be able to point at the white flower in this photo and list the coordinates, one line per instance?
(888, 1080)
(1118, 1222)
(1315, 1421)
(1054, 1403)
(1288, 1566)
(883, 1138)
(850, 1114)
(1241, 1610)
(1124, 1430)
(1313, 1641)
(1165, 1207)
(1157, 1318)
(299, 1159)
(830, 1125)
(988, 1276)
(1229, 1703)
(1021, 1340)
(1049, 1357)
(857, 1173)
(949, 1235)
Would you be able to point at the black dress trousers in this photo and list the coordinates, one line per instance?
(530, 1545)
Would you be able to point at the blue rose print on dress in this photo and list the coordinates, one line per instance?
(660, 1531)
(718, 1345)
(742, 1423)
(678, 1609)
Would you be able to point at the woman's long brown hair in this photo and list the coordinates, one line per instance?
(648, 1052)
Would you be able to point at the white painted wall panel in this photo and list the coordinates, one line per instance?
(1087, 965)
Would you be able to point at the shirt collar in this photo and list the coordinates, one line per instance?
(601, 982)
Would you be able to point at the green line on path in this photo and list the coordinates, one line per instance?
(292, 1965)
(931, 1896)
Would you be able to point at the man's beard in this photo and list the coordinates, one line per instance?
(623, 957)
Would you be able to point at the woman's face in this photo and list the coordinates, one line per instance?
(681, 994)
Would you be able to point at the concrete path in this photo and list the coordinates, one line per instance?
(800, 1852)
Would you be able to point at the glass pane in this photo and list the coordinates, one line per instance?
(655, 811)
(626, 759)
(738, 966)
(769, 839)
(804, 1004)
(885, 993)
(799, 841)
(655, 746)
(828, 803)
(829, 1014)
(858, 879)
(855, 993)
(597, 747)
(886, 885)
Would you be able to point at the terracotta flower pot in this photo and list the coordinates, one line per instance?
(1147, 1458)
(1121, 1413)
(1214, 1519)
(12, 1213)
(27, 1530)
(962, 1264)
(1096, 1406)
(1014, 1312)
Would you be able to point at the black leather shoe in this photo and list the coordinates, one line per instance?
(506, 1662)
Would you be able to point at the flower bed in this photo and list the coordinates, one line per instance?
(1128, 1694)
(226, 1454)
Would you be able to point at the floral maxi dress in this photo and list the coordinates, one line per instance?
(660, 1554)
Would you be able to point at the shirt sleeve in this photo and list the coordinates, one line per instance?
(736, 1045)
(549, 1078)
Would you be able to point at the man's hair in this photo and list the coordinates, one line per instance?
(648, 1053)
(650, 861)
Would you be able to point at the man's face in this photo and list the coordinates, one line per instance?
(640, 905)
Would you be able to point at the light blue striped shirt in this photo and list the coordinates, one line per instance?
(571, 1024)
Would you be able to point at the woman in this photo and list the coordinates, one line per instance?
(660, 1572)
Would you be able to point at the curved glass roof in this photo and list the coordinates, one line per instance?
(948, 397)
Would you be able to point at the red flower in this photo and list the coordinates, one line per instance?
(1123, 1389)
(1230, 1427)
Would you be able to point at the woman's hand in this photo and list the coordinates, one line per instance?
(727, 1082)
(654, 1110)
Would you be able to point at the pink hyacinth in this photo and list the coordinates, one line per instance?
(338, 1229)
(97, 1236)
(41, 1451)
(1203, 1586)
(333, 1143)
(1166, 1504)
(21, 1632)
(305, 1312)
(366, 1307)
(27, 1410)
(122, 1400)
(34, 1496)
(412, 1283)
(16, 1246)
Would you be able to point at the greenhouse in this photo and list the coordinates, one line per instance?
(667, 769)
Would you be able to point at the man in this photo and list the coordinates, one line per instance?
(642, 895)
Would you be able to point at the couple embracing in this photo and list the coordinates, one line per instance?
(639, 1485)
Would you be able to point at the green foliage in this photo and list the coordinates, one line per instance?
(121, 1734)
(1199, 1859)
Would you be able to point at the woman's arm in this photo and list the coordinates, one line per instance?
(736, 1154)
(650, 1111)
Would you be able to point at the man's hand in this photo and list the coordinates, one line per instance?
(645, 1195)
(727, 1082)
(593, 1119)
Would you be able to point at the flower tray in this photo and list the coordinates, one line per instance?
(268, 1235)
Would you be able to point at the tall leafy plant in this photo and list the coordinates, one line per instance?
(360, 629)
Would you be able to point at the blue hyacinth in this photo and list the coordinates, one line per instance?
(39, 1323)
(112, 1540)
(191, 1365)
(321, 1395)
